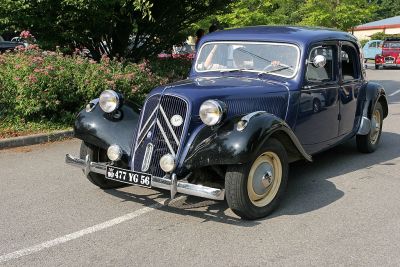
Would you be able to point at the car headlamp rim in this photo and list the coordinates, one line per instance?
(218, 113)
(109, 100)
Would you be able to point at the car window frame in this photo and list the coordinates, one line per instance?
(335, 79)
(375, 43)
(295, 73)
(357, 63)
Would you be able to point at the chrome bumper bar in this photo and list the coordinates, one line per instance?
(173, 185)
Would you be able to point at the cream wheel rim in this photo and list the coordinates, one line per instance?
(264, 179)
(376, 126)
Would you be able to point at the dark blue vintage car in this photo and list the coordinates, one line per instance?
(257, 99)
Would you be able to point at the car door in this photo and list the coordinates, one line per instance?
(370, 50)
(317, 120)
(350, 84)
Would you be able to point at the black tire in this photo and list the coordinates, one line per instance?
(98, 155)
(236, 184)
(369, 143)
(316, 105)
(376, 67)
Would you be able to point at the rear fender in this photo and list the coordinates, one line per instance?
(373, 94)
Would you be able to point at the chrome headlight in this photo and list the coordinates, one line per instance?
(211, 112)
(109, 101)
(114, 152)
(167, 163)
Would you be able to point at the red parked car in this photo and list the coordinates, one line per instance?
(390, 56)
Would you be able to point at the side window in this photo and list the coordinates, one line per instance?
(326, 73)
(372, 45)
(348, 57)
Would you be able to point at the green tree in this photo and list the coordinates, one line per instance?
(145, 26)
(387, 8)
(340, 14)
(260, 12)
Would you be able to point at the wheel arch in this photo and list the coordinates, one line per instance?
(226, 145)
(292, 150)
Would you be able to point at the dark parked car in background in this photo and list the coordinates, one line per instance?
(8, 45)
(390, 54)
(245, 112)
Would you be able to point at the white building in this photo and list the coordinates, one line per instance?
(387, 26)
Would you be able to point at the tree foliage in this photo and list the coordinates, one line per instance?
(340, 14)
(260, 12)
(139, 28)
(387, 8)
(144, 25)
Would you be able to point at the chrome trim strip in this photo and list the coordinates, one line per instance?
(147, 157)
(141, 140)
(166, 138)
(148, 120)
(169, 125)
(251, 115)
(158, 182)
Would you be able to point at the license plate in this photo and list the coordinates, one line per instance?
(389, 61)
(127, 176)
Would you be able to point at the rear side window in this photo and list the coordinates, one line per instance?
(372, 45)
(348, 57)
(325, 73)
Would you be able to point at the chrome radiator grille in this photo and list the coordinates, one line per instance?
(157, 130)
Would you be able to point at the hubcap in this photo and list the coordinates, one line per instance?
(264, 179)
(375, 126)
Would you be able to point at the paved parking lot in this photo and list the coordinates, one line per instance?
(343, 209)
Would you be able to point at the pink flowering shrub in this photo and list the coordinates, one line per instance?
(38, 85)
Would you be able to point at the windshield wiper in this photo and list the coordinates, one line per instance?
(234, 70)
(275, 70)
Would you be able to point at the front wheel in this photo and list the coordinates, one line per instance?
(369, 143)
(254, 190)
(98, 155)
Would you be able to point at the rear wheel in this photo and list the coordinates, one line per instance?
(98, 155)
(376, 67)
(369, 143)
(254, 190)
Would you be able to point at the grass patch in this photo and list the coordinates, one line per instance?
(16, 128)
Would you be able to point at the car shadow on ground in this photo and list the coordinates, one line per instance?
(309, 186)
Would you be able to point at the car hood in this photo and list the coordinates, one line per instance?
(241, 95)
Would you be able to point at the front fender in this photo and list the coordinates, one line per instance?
(102, 130)
(226, 145)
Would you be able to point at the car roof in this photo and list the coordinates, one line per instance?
(291, 34)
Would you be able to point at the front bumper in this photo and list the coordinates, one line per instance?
(388, 64)
(171, 184)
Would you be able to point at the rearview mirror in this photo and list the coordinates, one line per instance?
(319, 61)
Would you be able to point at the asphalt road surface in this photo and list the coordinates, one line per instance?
(342, 209)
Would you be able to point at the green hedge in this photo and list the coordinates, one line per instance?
(38, 85)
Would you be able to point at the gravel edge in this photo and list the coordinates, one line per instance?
(35, 139)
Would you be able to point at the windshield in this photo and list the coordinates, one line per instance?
(392, 45)
(275, 58)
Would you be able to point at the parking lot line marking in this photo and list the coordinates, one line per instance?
(63, 239)
(392, 94)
